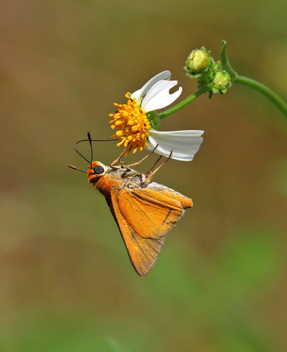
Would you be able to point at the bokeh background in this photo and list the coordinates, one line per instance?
(66, 283)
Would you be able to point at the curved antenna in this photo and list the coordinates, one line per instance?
(79, 152)
(90, 141)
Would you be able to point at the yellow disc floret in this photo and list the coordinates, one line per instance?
(132, 124)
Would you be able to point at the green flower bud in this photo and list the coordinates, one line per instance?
(197, 61)
(221, 82)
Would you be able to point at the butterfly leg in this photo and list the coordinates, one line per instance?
(138, 162)
(150, 170)
(121, 155)
(151, 173)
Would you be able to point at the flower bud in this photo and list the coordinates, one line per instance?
(221, 82)
(198, 61)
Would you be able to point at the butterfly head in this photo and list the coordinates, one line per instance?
(96, 171)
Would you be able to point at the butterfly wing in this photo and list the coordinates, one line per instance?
(144, 216)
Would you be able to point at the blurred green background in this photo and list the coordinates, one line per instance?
(66, 283)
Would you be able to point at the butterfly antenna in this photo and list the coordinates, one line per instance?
(79, 152)
(90, 141)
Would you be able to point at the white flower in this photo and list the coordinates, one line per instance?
(135, 129)
(155, 95)
(183, 144)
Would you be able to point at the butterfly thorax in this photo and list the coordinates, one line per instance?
(105, 178)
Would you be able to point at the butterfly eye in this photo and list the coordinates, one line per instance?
(98, 169)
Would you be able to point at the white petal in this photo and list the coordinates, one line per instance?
(141, 92)
(183, 144)
(158, 96)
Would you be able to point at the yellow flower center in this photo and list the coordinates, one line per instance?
(132, 124)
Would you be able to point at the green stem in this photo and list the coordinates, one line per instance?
(267, 92)
(184, 102)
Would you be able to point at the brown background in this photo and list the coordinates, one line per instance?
(66, 283)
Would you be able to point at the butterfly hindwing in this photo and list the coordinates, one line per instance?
(150, 213)
(144, 217)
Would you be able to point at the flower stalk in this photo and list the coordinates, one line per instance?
(267, 92)
(185, 101)
(261, 88)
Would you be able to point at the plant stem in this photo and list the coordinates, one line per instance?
(184, 102)
(267, 92)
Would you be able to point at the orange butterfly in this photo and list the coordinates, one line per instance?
(143, 210)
